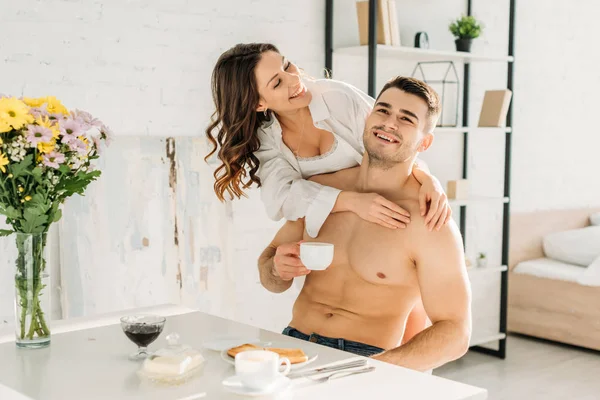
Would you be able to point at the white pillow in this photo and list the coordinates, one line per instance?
(595, 219)
(576, 246)
(591, 275)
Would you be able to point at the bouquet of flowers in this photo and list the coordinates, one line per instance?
(46, 155)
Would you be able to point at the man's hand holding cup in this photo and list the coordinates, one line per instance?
(287, 264)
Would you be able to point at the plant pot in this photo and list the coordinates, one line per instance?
(32, 289)
(463, 44)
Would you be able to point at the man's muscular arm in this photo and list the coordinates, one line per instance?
(446, 297)
(279, 263)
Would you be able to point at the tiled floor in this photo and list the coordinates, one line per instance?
(533, 369)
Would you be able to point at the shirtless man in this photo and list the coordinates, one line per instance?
(362, 301)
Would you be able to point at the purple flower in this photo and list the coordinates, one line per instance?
(39, 112)
(106, 134)
(97, 144)
(38, 134)
(85, 118)
(52, 159)
(79, 146)
(71, 127)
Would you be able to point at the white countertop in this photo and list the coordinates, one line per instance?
(92, 364)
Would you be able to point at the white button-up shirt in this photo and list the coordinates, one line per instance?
(336, 107)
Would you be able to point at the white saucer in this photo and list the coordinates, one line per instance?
(234, 385)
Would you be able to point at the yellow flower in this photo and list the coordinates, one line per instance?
(21, 190)
(4, 126)
(27, 198)
(3, 162)
(13, 113)
(46, 147)
(50, 124)
(34, 102)
(54, 106)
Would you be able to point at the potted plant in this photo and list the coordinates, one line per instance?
(465, 29)
(481, 260)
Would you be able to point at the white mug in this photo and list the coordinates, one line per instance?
(257, 369)
(316, 255)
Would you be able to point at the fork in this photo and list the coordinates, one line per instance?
(346, 373)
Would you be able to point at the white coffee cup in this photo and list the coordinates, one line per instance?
(258, 369)
(316, 255)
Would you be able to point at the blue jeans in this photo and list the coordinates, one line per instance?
(358, 348)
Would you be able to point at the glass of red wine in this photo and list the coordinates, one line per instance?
(142, 330)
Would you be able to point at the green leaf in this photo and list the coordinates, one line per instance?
(34, 222)
(5, 232)
(10, 212)
(39, 202)
(64, 169)
(20, 168)
(57, 215)
(37, 174)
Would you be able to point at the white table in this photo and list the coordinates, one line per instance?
(92, 364)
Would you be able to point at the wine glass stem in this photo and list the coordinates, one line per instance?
(142, 350)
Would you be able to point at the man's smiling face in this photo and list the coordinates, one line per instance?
(396, 128)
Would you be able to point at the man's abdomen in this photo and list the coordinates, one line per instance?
(370, 318)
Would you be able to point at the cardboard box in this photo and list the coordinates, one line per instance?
(458, 189)
(495, 108)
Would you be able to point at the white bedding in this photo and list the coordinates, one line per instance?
(551, 269)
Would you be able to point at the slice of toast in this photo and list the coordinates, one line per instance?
(295, 356)
(245, 347)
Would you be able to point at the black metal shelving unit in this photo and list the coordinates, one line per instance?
(372, 66)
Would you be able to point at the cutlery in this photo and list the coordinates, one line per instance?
(344, 373)
(322, 370)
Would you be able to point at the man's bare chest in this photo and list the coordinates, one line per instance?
(376, 254)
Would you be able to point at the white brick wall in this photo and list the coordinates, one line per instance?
(144, 66)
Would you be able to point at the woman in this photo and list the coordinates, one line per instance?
(281, 128)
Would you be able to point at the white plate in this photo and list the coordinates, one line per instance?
(234, 385)
(311, 354)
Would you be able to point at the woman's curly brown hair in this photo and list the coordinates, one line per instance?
(236, 120)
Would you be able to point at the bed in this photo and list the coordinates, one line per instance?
(545, 298)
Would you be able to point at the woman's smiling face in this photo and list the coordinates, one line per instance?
(279, 84)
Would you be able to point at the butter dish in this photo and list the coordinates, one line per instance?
(173, 364)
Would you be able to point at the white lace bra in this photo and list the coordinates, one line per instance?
(340, 156)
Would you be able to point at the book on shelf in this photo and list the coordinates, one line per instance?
(495, 108)
(388, 32)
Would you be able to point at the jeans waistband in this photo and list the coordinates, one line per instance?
(350, 346)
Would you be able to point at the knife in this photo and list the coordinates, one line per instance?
(322, 370)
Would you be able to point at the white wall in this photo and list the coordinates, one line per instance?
(144, 68)
(557, 134)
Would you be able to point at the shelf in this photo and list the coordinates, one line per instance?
(417, 54)
(477, 200)
(486, 337)
(476, 271)
(462, 129)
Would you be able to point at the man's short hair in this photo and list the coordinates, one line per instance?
(420, 89)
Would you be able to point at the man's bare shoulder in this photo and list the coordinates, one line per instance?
(344, 179)
(446, 242)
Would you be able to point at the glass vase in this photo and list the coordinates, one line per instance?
(32, 290)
